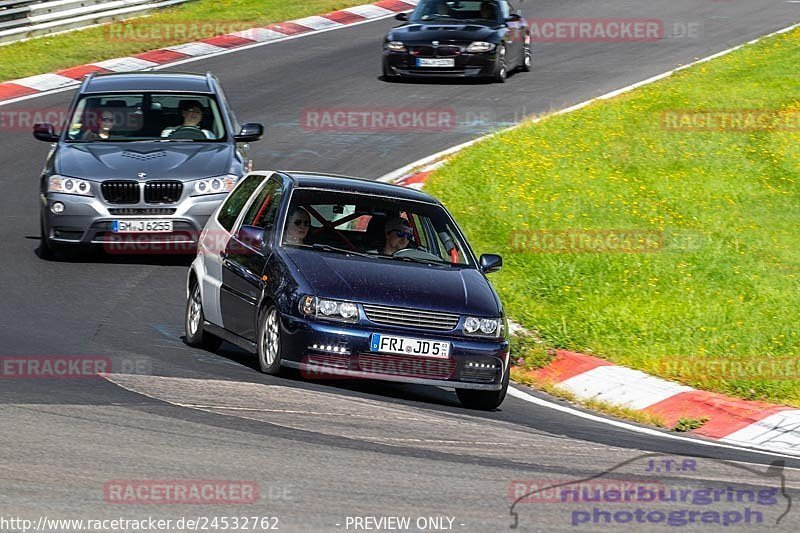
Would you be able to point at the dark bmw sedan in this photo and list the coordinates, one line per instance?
(454, 38)
(348, 278)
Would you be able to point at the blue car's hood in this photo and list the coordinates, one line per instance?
(396, 283)
(108, 160)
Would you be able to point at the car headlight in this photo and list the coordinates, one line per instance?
(312, 306)
(67, 185)
(480, 46)
(395, 46)
(487, 327)
(215, 185)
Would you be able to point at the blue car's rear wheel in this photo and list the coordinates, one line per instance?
(196, 335)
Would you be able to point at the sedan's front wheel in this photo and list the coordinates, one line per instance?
(196, 335)
(270, 344)
(484, 400)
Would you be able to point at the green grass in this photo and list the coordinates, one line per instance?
(724, 285)
(47, 54)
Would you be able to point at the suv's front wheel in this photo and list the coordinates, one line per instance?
(49, 250)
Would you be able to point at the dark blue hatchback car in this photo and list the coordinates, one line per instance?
(351, 278)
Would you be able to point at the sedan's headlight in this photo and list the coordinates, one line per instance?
(480, 46)
(216, 185)
(395, 46)
(328, 309)
(487, 327)
(66, 185)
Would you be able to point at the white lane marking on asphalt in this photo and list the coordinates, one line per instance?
(156, 66)
(259, 35)
(781, 430)
(401, 172)
(516, 393)
(46, 82)
(317, 23)
(622, 386)
(125, 64)
(195, 49)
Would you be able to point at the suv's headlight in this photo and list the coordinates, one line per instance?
(328, 309)
(215, 185)
(395, 46)
(485, 327)
(67, 185)
(480, 46)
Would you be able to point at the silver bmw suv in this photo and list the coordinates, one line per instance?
(144, 159)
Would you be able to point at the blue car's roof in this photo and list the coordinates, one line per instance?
(350, 184)
(149, 82)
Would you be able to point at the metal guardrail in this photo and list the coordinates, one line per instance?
(24, 19)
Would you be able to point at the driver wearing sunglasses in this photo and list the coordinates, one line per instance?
(398, 235)
(297, 225)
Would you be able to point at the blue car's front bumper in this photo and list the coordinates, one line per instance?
(327, 350)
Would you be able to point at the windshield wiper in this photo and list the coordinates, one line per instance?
(329, 248)
(419, 260)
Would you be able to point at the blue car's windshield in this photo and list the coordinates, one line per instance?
(376, 226)
(455, 10)
(127, 117)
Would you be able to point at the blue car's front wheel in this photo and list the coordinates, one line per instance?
(270, 342)
(484, 400)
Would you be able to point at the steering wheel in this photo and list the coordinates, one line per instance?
(417, 253)
(188, 132)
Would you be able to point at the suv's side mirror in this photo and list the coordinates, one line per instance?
(45, 132)
(250, 132)
(252, 236)
(513, 17)
(490, 263)
(401, 16)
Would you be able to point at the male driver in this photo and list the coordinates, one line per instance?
(398, 235)
(192, 112)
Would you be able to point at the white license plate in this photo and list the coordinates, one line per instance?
(403, 345)
(141, 226)
(435, 62)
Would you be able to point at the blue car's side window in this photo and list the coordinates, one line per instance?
(237, 200)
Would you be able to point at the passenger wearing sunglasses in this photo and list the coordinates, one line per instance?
(297, 227)
(398, 236)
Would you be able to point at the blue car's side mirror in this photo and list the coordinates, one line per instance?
(252, 236)
(490, 263)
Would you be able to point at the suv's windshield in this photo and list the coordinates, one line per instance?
(376, 226)
(455, 10)
(146, 117)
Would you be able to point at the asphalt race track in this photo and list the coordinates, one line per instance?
(319, 451)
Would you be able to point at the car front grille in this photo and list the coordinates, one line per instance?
(120, 192)
(435, 51)
(407, 366)
(142, 211)
(162, 192)
(415, 318)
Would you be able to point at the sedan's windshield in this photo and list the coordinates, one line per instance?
(146, 117)
(455, 10)
(376, 226)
